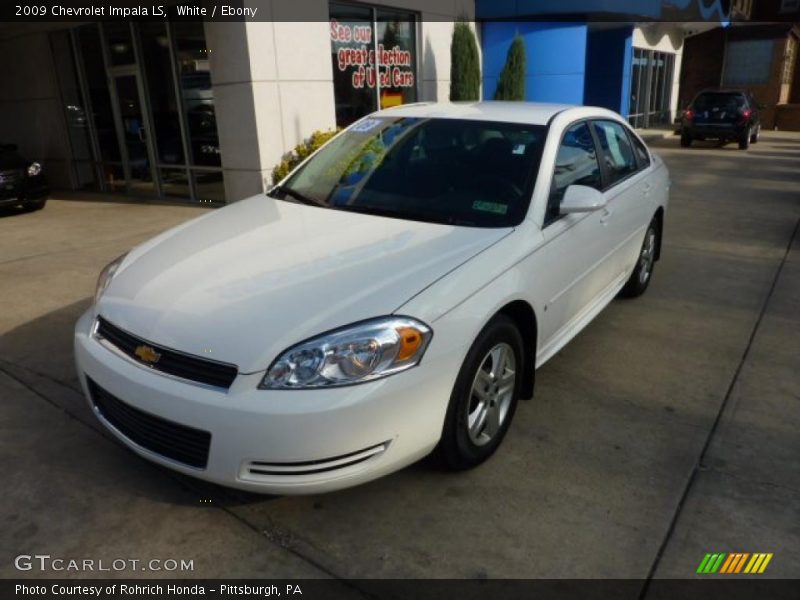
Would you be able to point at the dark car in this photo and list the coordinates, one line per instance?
(22, 182)
(724, 115)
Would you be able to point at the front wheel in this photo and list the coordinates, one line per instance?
(643, 271)
(484, 397)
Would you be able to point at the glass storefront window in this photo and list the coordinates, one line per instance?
(161, 91)
(175, 183)
(374, 59)
(139, 107)
(114, 178)
(352, 56)
(397, 53)
(210, 186)
(97, 84)
(197, 93)
(77, 118)
(120, 43)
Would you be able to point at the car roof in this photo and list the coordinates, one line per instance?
(532, 113)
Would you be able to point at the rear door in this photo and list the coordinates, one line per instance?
(626, 185)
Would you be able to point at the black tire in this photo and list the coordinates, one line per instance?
(755, 135)
(645, 264)
(457, 448)
(34, 205)
(686, 139)
(744, 140)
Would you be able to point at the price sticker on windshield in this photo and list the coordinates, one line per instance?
(365, 125)
(492, 207)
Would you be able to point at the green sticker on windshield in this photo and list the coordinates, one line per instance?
(492, 207)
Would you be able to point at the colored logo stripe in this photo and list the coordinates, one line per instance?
(734, 562)
(710, 563)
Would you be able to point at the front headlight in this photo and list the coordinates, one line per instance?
(355, 354)
(34, 169)
(106, 275)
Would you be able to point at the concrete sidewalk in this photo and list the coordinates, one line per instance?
(665, 430)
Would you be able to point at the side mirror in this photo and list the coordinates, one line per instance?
(580, 199)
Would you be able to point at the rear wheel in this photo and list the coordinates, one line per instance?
(484, 397)
(755, 135)
(643, 271)
(744, 139)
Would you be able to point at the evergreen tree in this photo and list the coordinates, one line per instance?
(465, 72)
(511, 85)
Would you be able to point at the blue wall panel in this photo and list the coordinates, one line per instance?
(555, 56)
(633, 9)
(608, 67)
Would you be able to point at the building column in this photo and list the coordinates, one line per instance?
(273, 87)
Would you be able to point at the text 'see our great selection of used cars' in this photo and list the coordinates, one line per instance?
(391, 297)
(723, 115)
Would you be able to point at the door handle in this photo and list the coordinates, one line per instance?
(606, 215)
(647, 187)
(142, 134)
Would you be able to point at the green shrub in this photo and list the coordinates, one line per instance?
(465, 71)
(511, 85)
(300, 153)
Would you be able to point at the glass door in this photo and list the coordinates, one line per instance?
(132, 130)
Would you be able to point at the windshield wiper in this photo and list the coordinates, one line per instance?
(287, 191)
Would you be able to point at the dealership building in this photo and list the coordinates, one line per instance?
(202, 110)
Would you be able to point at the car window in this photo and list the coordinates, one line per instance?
(456, 171)
(615, 151)
(576, 163)
(642, 155)
(721, 100)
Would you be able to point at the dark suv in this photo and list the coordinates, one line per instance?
(725, 115)
(22, 182)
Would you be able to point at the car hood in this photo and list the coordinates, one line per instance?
(12, 160)
(242, 284)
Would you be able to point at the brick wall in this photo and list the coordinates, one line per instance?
(787, 117)
(702, 64)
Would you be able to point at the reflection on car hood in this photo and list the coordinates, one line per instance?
(242, 284)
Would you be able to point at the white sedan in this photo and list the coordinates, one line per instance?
(392, 296)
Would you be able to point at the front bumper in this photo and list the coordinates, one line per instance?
(311, 441)
(24, 190)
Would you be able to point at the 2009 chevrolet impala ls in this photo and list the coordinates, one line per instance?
(392, 296)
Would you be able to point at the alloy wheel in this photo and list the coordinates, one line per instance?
(491, 395)
(648, 255)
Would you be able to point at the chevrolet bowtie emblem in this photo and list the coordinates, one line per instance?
(147, 354)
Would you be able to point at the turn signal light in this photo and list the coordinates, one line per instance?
(410, 341)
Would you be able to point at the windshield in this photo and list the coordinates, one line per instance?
(456, 171)
(729, 101)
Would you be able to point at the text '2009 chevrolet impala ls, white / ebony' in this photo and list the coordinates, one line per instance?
(392, 296)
